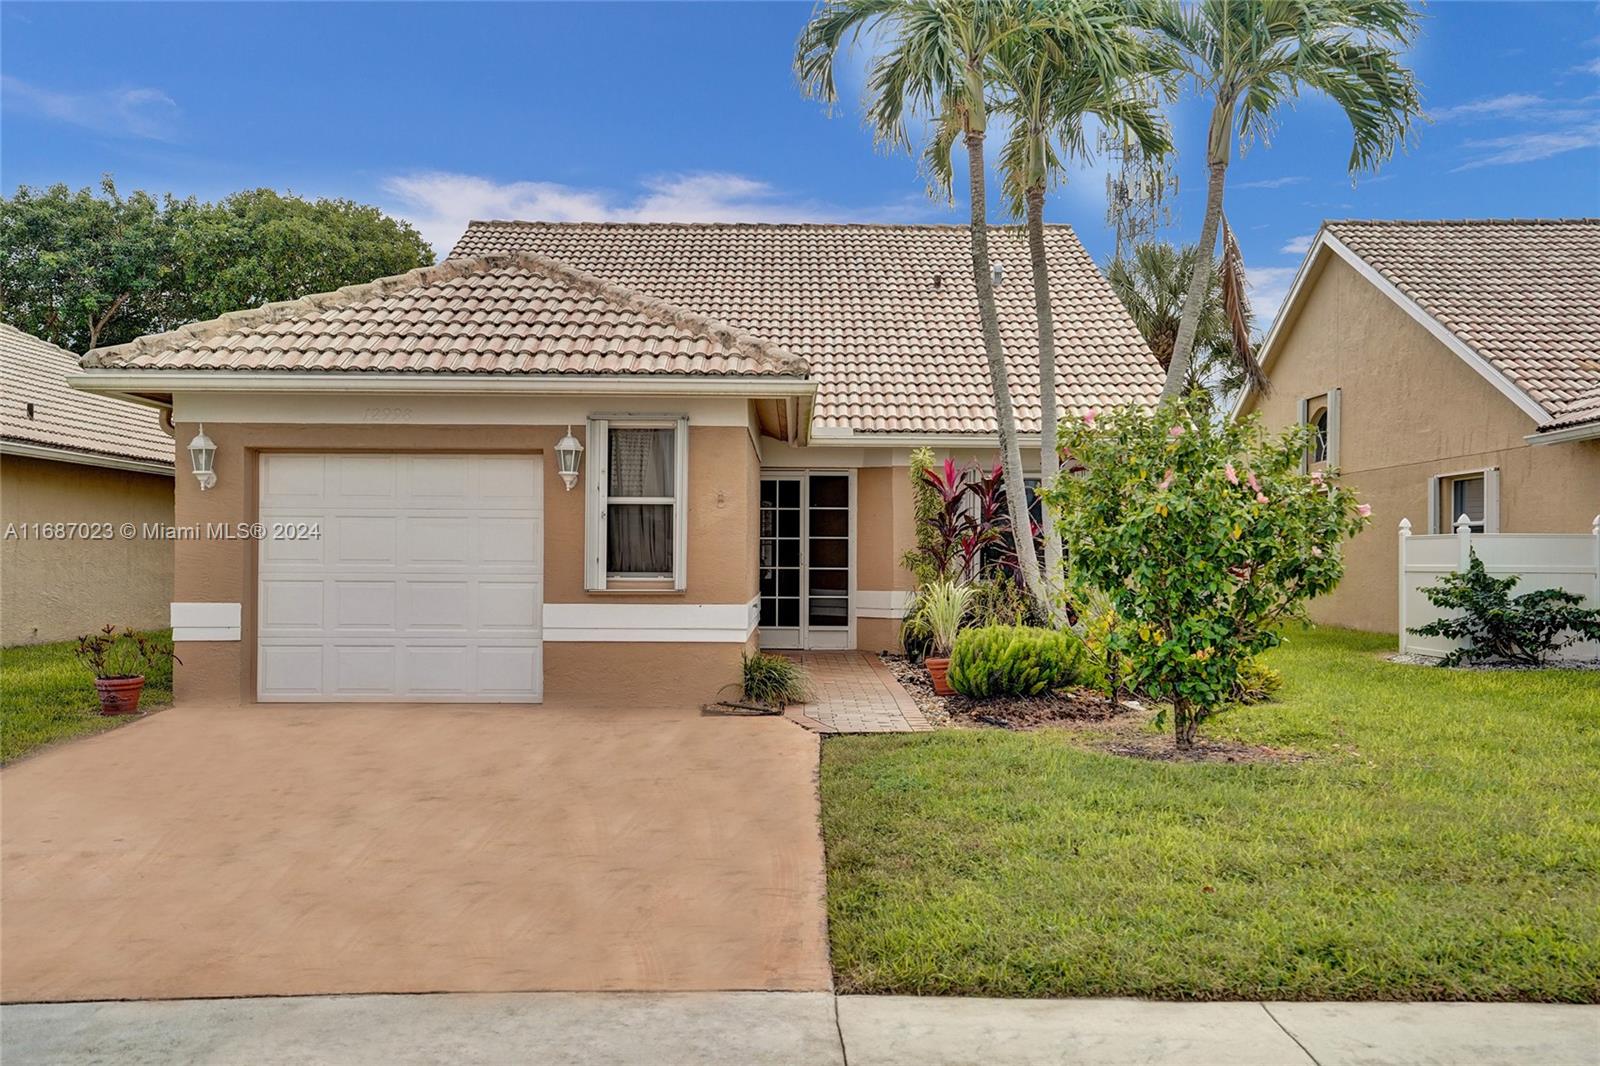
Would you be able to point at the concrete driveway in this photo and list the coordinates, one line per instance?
(290, 850)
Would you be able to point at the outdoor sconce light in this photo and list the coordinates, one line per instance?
(202, 457)
(567, 451)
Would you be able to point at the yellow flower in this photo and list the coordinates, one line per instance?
(1238, 532)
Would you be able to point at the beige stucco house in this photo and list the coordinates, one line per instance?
(1451, 368)
(746, 397)
(76, 472)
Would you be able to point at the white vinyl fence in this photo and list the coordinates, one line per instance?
(1543, 560)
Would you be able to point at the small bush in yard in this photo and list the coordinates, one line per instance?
(1205, 537)
(1256, 682)
(774, 680)
(1494, 627)
(1015, 661)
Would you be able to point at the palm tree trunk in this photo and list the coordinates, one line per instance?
(1205, 264)
(1004, 415)
(1049, 414)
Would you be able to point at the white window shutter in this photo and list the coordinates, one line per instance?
(1333, 427)
(680, 508)
(1433, 505)
(594, 511)
(1491, 500)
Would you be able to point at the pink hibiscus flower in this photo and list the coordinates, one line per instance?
(1231, 474)
(1175, 432)
(1364, 510)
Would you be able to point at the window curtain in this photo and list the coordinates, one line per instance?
(639, 535)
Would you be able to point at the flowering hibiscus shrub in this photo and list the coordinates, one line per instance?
(1204, 537)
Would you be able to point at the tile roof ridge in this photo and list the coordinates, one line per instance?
(780, 359)
(1583, 220)
(536, 223)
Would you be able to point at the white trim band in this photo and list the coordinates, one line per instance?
(651, 623)
(206, 621)
(872, 603)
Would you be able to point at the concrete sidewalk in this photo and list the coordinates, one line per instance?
(753, 1028)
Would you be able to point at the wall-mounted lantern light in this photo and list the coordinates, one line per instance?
(567, 452)
(202, 457)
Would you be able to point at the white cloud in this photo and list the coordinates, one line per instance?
(1299, 245)
(1267, 287)
(1273, 183)
(126, 112)
(1508, 105)
(1590, 67)
(441, 204)
(1531, 146)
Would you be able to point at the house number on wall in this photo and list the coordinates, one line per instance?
(386, 414)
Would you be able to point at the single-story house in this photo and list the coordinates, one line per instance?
(85, 488)
(1451, 368)
(745, 397)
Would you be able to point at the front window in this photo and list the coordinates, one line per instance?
(1466, 497)
(1319, 443)
(635, 517)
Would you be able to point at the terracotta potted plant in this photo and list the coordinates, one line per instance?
(943, 606)
(118, 661)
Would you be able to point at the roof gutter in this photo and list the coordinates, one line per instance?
(24, 450)
(1585, 431)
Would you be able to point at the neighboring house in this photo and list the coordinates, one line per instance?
(75, 469)
(1450, 368)
(746, 397)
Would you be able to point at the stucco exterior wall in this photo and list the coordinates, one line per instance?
(1410, 410)
(885, 531)
(60, 589)
(722, 524)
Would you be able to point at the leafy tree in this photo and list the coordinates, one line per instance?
(1152, 284)
(84, 270)
(1093, 63)
(1253, 56)
(934, 63)
(1494, 626)
(1205, 537)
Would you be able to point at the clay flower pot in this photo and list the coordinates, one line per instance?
(938, 672)
(119, 695)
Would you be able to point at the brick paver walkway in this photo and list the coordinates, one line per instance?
(853, 692)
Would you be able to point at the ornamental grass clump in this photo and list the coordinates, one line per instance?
(1204, 538)
(774, 680)
(1016, 661)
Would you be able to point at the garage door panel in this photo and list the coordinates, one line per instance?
(298, 550)
(508, 670)
(438, 605)
(438, 540)
(290, 671)
(504, 605)
(293, 481)
(363, 669)
(289, 604)
(364, 540)
(426, 584)
(438, 670)
(364, 605)
(508, 542)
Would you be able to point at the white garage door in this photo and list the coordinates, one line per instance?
(425, 581)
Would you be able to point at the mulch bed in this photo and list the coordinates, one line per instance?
(1117, 728)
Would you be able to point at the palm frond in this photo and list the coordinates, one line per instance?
(1236, 303)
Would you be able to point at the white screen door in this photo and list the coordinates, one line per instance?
(805, 560)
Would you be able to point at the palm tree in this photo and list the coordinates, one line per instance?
(934, 64)
(1093, 64)
(1251, 57)
(1152, 283)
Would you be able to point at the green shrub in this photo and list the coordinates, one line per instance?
(1016, 661)
(1256, 682)
(1495, 627)
(774, 680)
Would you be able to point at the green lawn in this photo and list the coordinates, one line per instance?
(1444, 843)
(45, 696)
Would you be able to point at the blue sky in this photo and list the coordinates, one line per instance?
(444, 112)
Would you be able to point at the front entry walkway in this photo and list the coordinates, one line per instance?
(296, 849)
(853, 692)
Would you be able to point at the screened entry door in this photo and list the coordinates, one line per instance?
(805, 561)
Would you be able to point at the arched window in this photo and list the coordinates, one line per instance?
(1319, 444)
